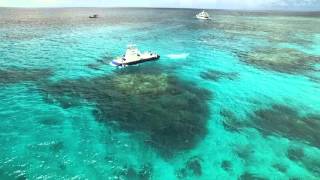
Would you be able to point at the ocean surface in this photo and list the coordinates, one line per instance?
(237, 97)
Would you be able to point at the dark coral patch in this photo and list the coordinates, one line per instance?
(295, 153)
(251, 176)
(231, 122)
(215, 75)
(182, 173)
(243, 151)
(62, 166)
(50, 121)
(286, 121)
(313, 165)
(65, 102)
(281, 59)
(145, 172)
(191, 168)
(280, 168)
(283, 121)
(194, 166)
(171, 112)
(315, 79)
(226, 165)
(18, 75)
(57, 146)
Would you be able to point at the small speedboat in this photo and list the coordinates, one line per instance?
(203, 15)
(94, 16)
(134, 56)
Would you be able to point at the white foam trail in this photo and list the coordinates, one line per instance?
(178, 56)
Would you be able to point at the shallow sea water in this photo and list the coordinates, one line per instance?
(237, 97)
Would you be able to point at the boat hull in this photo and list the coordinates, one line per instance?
(202, 18)
(115, 63)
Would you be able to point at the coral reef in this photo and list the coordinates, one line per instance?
(284, 60)
(286, 121)
(171, 112)
(18, 75)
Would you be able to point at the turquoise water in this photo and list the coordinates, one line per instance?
(233, 98)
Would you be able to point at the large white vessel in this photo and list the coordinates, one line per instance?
(134, 56)
(203, 15)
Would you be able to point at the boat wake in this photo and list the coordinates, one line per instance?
(178, 56)
(114, 65)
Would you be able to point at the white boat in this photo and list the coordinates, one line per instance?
(203, 15)
(94, 16)
(134, 56)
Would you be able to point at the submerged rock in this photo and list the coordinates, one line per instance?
(171, 112)
(284, 60)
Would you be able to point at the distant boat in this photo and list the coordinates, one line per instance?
(94, 16)
(134, 56)
(203, 15)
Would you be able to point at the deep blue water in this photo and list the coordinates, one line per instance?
(237, 97)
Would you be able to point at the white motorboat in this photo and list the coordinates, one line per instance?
(134, 56)
(203, 15)
(94, 16)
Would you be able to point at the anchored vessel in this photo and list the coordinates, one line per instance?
(94, 16)
(203, 15)
(134, 56)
